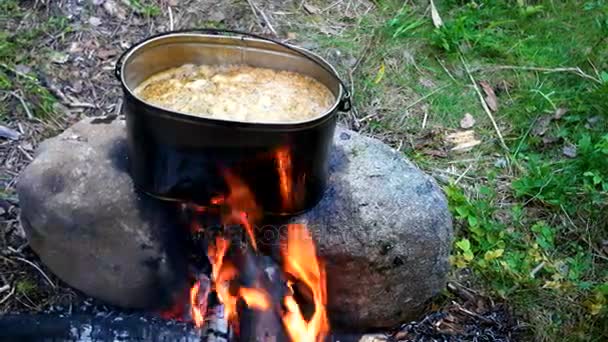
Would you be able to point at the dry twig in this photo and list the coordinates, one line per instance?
(424, 98)
(170, 18)
(484, 105)
(7, 296)
(575, 70)
(38, 269)
(255, 11)
(24, 105)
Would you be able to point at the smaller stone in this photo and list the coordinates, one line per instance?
(467, 121)
(22, 68)
(59, 57)
(94, 21)
(500, 163)
(569, 151)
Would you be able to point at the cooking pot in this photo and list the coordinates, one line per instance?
(184, 157)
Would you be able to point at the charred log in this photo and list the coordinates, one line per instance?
(94, 328)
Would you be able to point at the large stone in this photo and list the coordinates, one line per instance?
(87, 223)
(384, 230)
(382, 227)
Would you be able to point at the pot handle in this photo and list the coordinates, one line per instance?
(345, 102)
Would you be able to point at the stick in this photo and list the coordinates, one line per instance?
(256, 10)
(37, 268)
(423, 98)
(574, 70)
(170, 18)
(7, 296)
(27, 155)
(23, 104)
(426, 116)
(445, 69)
(484, 105)
(537, 269)
(463, 174)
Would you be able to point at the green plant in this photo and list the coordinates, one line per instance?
(146, 9)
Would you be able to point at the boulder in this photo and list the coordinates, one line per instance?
(384, 231)
(382, 228)
(88, 224)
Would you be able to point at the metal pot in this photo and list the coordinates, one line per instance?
(183, 157)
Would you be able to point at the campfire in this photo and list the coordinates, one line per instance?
(283, 300)
(200, 213)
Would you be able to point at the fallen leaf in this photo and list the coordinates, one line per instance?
(435, 153)
(467, 121)
(104, 54)
(491, 99)
(462, 140)
(437, 22)
(380, 74)
(559, 112)
(94, 21)
(569, 151)
(541, 125)
(292, 35)
(311, 9)
(9, 133)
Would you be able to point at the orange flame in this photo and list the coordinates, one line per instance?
(285, 176)
(255, 298)
(299, 252)
(300, 263)
(197, 314)
(242, 208)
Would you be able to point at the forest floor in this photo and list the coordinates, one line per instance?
(505, 103)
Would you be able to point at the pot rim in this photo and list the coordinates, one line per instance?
(342, 99)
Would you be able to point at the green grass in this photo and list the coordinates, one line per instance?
(22, 48)
(145, 8)
(531, 230)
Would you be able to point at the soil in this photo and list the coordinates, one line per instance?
(81, 78)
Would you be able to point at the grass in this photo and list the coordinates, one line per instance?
(20, 48)
(532, 223)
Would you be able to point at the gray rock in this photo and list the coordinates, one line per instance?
(87, 223)
(384, 230)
